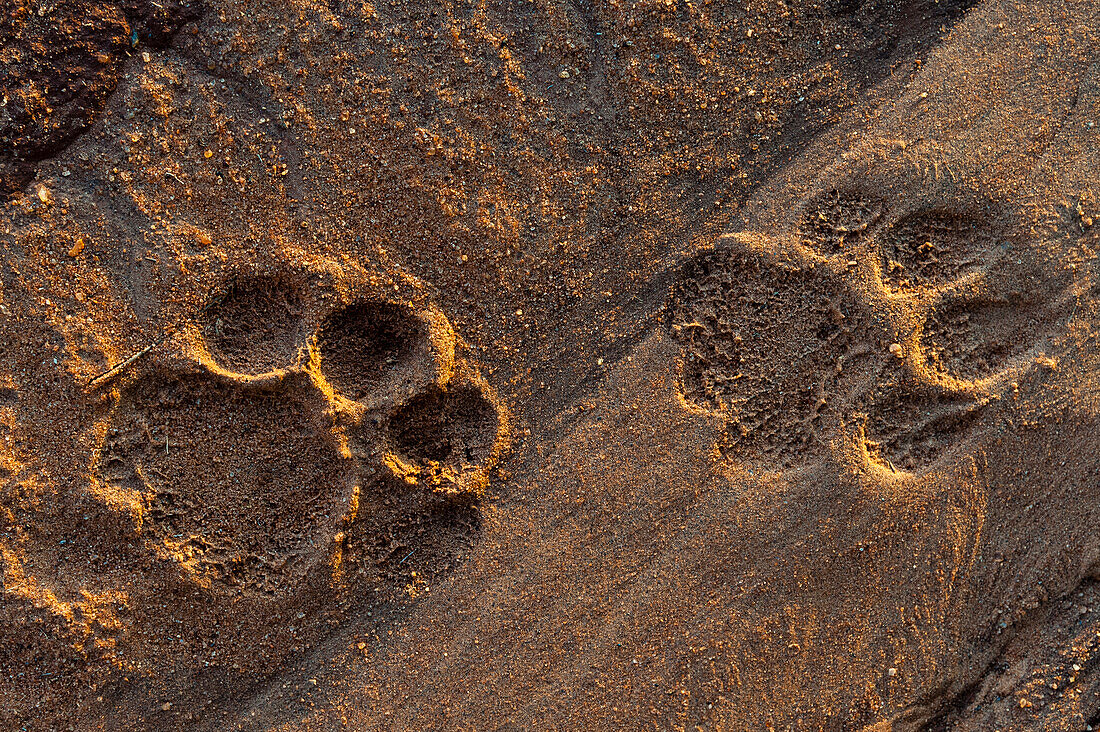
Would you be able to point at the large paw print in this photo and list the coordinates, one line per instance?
(903, 329)
(290, 438)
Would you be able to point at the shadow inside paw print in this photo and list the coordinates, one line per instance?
(459, 425)
(761, 343)
(256, 326)
(242, 471)
(369, 343)
(221, 472)
(443, 436)
(836, 219)
(932, 248)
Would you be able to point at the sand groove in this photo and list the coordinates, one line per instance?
(62, 62)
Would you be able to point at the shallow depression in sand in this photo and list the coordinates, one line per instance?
(256, 326)
(930, 248)
(457, 427)
(760, 343)
(235, 482)
(366, 342)
(974, 340)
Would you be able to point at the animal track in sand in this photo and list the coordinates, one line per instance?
(256, 326)
(836, 219)
(788, 346)
(931, 248)
(458, 425)
(442, 437)
(761, 342)
(974, 339)
(910, 430)
(243, 480)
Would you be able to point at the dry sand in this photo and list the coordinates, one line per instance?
(608, 364)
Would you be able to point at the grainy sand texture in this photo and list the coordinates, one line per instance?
(567, 365)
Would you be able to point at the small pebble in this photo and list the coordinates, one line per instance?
(895, 348)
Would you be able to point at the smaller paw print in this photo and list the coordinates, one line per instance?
(286, 430)
(903, 328)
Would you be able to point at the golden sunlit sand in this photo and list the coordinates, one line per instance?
(549, 365)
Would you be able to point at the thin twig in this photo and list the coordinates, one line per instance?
(119, 368)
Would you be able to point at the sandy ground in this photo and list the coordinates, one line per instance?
(549, 365)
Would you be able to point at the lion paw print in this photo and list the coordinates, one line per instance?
(901, 328)
(291, 436)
